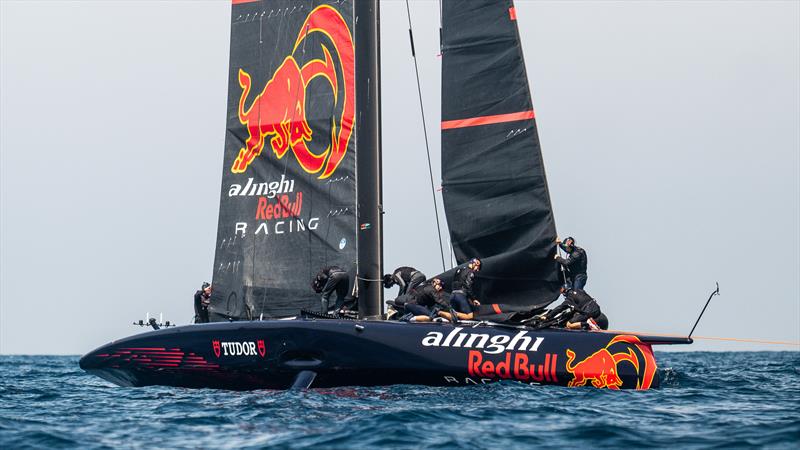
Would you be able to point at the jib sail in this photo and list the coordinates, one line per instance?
(494, 185)
(287, 203)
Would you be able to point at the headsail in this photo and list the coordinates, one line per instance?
(287, 204)
(494, 185)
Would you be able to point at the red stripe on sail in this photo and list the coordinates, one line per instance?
(496, 308)
(239, 2)
(487, 120)
(512, 13)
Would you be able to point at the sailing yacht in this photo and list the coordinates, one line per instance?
(301, 189)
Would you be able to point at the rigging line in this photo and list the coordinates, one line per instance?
(425, 133)
(709, 338)
(441, 41)
(757, 341)
(369, 279)
(563, 272)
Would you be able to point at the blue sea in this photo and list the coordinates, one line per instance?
(707, 400)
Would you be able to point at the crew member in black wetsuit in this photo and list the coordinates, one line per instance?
(463, 300)
(328, 280)
(202, 299)
(575, 264)
(424, 300)
(405, 277)
(584, 310)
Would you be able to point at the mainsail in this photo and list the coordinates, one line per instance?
(494, 185)
(287, 203)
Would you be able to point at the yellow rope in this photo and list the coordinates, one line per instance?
(710, 338)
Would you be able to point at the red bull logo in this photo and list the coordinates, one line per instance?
(600, 368)
(514, 366)
(278, 111)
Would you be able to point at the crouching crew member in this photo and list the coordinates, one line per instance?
(585, 313)
(424, 300)
(329, 280)
(202, 299)
(463, 299)
(575, 264)
(405, 277)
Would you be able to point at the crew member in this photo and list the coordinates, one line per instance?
(463, 300)
(582, 310)
(328, 280)
(424, 300)
(574, 264)
(202, 299)
(405, 277)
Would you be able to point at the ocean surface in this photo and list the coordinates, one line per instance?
(707, 400)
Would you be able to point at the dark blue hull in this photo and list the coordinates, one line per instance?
(279, 354)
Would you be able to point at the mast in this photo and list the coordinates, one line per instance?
(369, 190)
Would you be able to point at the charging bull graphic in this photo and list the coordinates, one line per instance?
(279, 110)
(600, 368)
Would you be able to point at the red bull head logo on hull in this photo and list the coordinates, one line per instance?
(278, 112)
(601, 367)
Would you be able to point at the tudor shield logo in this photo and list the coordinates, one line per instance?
(239, 348)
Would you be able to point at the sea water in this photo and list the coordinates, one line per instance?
(735, 399)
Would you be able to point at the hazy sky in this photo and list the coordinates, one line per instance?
(670, 131)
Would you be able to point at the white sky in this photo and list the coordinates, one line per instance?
(670, 131)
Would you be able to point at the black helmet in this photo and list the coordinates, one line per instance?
(568, 248)
(318, 283)
(205, 285)
(388, 281)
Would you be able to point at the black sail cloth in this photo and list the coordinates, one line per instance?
(287, 202)
(494, 186)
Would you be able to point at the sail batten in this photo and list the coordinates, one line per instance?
(494, 185)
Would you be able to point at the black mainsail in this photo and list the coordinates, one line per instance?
(288, 198)
(494, 186)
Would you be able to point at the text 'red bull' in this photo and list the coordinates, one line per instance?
(600, 368)
(282, 207)
(278, 111)
(516, 366)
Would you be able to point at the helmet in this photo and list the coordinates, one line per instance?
(205, 285)
(568, 248)
(388, 281)
(318, 283)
